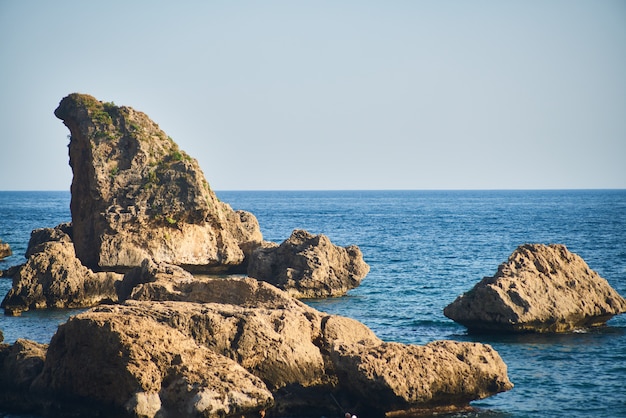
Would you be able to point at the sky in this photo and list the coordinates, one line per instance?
(330, 95)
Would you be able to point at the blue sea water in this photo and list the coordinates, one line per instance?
(424, 249)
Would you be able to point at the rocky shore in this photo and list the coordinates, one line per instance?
(165, 336)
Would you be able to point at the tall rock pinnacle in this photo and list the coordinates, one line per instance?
(136, 195)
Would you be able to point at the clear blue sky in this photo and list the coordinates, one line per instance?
(330, 94)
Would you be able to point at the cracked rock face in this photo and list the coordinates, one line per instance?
(541, 288)
(136, 195)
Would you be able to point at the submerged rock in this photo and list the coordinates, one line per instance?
(136, 195)
(541, 288)
(309, 266)
(5, 250)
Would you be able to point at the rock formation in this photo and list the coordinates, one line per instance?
(170, 343)
(139, 367)
(5, 250)
(541, 288)
(309, 266)
(53, 277)
(147, 358)
(136, 195)
(20, 364)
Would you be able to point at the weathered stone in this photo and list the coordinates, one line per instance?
(21, 362)
(309, 266)
(163, 282)
(392, 376)
(304, 355)
(136, 195)
(54, 278)
(167, 276)
(40, 236)
(541, 288)
(142, 368)
(5, 250)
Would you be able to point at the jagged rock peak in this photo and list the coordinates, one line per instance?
(137, 195)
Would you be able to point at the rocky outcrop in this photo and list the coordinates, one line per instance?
(5, 250)
(136, 195)
(241, 347)
(309, 266)
(541, 288)
(53, 277)
(304, 356)
(141, 368)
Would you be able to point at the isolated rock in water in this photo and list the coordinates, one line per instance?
(136, 195)
(53, 277)
(146, 369)
(5, 250)
(541, 288)
(309, 266)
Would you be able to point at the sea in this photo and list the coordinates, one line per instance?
(424, 249)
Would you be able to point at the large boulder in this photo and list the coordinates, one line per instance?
(5, 250)
(141, 368)
(136, 195)
(540, 288)
(393, 376)
(309, 266)
(53, 277)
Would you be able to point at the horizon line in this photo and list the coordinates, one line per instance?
(374, 190)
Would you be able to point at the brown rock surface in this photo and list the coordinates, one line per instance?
(146, 369)
(309, 266)
(20, 364)
(541, 288)
(304, 355)
(5, 250)
(53, 277)
(136, 195)
(403, 377)
(145, 358)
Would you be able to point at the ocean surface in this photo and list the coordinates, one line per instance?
(424, 249)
